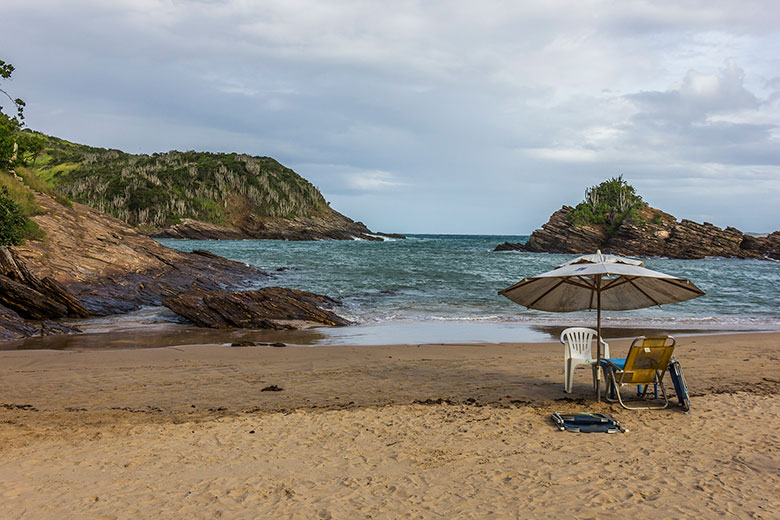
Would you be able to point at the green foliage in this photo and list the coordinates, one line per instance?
(9, 127)
(164, 188)
(16, 146)
(12, 221)
(609, 204)
(6, 70)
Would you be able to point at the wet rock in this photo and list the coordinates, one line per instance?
(510, 246)
(28, 302)
(257, 309)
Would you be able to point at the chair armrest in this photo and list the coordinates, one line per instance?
(609, 364)
(606, 348)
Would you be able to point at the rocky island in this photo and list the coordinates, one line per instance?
(616, 220)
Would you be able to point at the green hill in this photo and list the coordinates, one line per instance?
(156, 191)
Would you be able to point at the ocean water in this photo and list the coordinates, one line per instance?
(408, 289)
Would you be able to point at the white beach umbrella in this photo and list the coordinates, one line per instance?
(600, 282)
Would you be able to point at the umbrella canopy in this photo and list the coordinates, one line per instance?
(600, 282)
(623, 283)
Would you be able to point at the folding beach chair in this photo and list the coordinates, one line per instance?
(646, 364)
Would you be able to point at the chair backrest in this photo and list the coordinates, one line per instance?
(578, 341)
(645, 357)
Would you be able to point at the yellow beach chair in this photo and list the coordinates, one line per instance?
(645, 365)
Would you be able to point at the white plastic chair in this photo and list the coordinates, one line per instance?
(577, 341)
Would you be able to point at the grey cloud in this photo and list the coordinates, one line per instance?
(460, 116)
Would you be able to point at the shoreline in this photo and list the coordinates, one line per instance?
(103, 334)
(389, 374)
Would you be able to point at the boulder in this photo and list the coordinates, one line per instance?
(267, 308)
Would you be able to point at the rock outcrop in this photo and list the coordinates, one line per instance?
(266, 308)
(661, 235)
(332, 226)
(112, 268)
(92, 264)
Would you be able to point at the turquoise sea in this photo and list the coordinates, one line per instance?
(443, 288)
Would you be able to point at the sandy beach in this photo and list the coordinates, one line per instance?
(404, 431)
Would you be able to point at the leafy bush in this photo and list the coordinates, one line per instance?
(609, 204)
(12, 221)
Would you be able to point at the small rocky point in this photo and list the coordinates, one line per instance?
(662, 235)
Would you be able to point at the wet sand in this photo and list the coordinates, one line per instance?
(407, 431)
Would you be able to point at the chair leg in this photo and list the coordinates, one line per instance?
(660, 383)
(568, 376)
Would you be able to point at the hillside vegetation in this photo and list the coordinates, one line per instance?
(158, 190)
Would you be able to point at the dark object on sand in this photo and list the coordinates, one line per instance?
(680, 387)
(579, 422)
(243, 344)
(272, 388)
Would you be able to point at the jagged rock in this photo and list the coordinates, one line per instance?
(690, 239)
(110, 268)
(660, 235)
(28, 302)
(258, 309)
(13, 326)
(510, 246)
(93, 264)
(559, 236)
(16, 270)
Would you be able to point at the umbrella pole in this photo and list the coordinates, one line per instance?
(598, 339)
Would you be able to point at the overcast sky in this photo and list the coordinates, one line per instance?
(422, 116)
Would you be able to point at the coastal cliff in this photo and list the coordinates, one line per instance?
(87, 263)
(657, 234)
(197, 195)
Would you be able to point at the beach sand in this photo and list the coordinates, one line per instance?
(408, 431)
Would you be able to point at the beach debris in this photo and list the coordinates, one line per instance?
(433, 401)
(277, 344)
(25, 407)
(584, 422)
(272, 388)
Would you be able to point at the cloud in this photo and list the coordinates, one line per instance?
(500, 110)
(371, 181)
